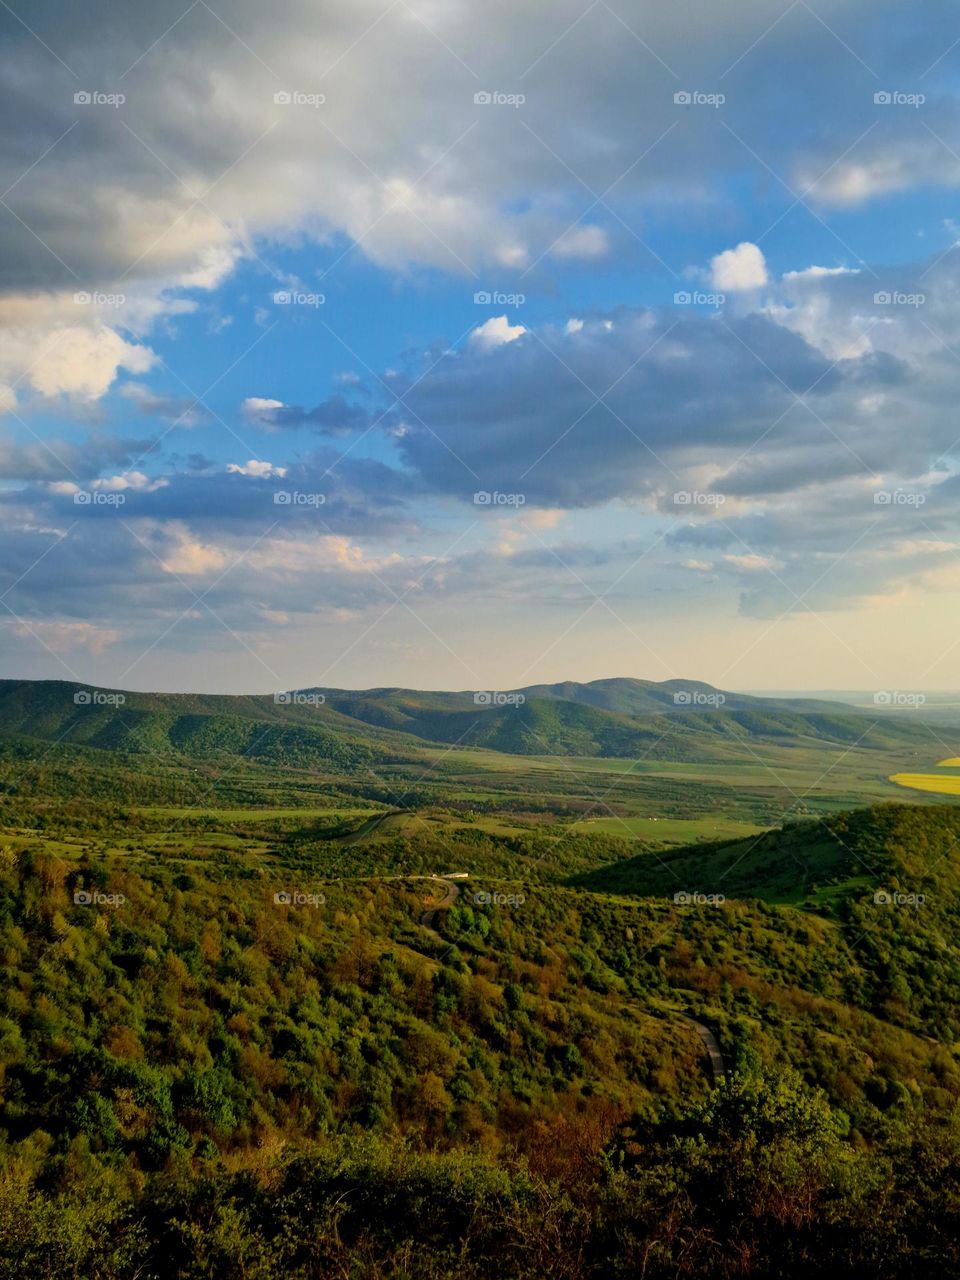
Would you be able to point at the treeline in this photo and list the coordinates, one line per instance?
(758, 1181)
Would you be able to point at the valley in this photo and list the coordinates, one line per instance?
(247, 949)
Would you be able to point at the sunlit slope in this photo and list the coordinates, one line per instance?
(826, 863)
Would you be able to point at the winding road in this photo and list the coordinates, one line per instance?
(712, 1047)
(428, 916)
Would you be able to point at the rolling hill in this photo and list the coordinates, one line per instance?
(827, 864)
(672, 720)
(244, 1018)
(324, 727)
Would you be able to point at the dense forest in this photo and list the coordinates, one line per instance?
(200, 1080)
(279, 1001)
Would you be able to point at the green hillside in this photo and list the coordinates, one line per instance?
(318, 988)
(198, 1080)
(621, 718)
(329, 726)
(821, 863)
(651, 697)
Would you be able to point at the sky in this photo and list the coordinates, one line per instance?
(450, 345)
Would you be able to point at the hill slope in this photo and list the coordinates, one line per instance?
(346, 728)
(826, 863)
(619, 717)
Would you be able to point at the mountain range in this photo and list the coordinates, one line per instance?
(672, 720)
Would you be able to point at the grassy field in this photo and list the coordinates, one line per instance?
(251, 814)
(779, 783)
(669, 830)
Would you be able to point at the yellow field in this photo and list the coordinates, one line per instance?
(941, 785)
(952, 762)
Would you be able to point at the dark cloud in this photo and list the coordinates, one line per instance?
(332, 417)
(677, 392)
(52, 459)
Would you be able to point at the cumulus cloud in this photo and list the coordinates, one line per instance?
(260, 410)
(795, 411)
(624, 411)
(532, 416)
(47, 350)
(737, 269)
(440, 180)
(332, 417)
(495, 332)
(256, 467)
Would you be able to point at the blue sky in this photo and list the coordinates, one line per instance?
(283, 292)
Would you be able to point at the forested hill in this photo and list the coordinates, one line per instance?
(330, 726)
(201, 1078)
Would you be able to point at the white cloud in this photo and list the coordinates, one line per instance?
(753, 563)
(261, 411)
(256, 467)
(815, 273)
(135, 480)
(495, 332)
(79, 360)
(737, 269)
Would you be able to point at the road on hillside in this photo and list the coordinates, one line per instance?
(428, 916)
(712, 1047)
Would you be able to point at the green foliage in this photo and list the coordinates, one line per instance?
(199, 1080)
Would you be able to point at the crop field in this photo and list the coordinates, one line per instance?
(938, 784)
